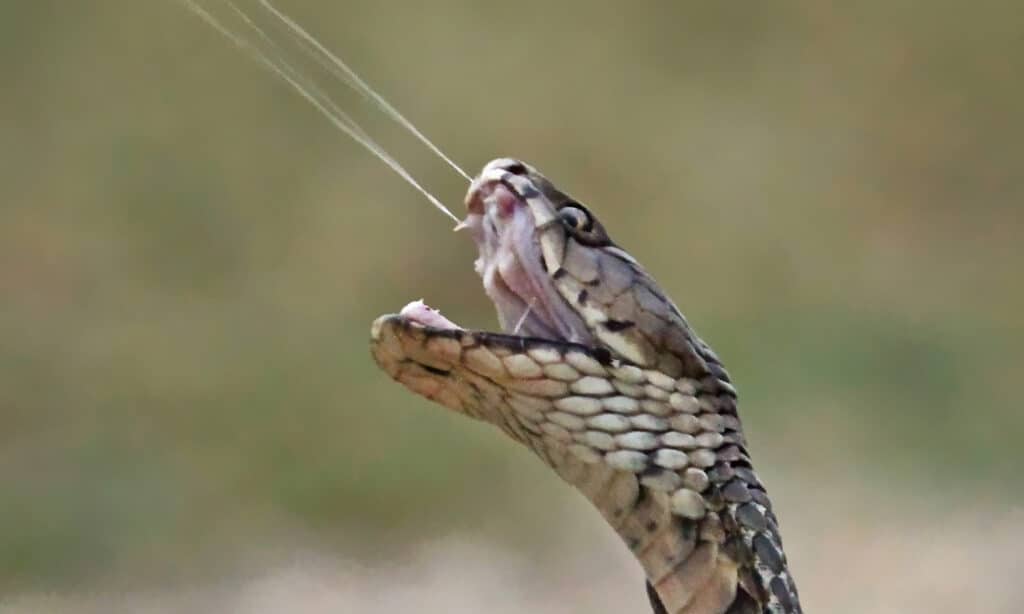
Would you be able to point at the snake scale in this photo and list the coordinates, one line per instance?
(601, 376)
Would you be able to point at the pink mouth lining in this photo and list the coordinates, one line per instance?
(511, 266)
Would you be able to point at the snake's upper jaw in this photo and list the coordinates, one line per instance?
(509, 231)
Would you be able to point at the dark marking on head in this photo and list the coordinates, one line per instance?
(516, 168)
(581, 298)
(618, 325)
(559, 273)
(435, 370)
(603, 356)
(528, 191)
(651, 526)
(517, 343)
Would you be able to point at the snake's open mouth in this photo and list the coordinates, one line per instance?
(511, 264)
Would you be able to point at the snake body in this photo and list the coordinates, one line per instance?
(601, 376)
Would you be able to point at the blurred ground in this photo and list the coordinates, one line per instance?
(865, 561)
(190, 259)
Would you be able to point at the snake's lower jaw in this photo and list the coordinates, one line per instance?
(399, 347)
(489, 376)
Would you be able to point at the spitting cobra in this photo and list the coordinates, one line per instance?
(600, 375)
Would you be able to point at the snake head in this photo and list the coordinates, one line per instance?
(553, 272)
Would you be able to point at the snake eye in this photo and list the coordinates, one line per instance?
(575, 217)
(582, 225)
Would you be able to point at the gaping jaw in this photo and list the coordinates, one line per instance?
(521, 237)
(554, 274)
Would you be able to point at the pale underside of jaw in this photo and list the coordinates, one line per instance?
(513, 274)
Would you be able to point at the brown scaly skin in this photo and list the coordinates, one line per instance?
(640, 416)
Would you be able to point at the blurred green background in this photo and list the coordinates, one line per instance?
(190, 259)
